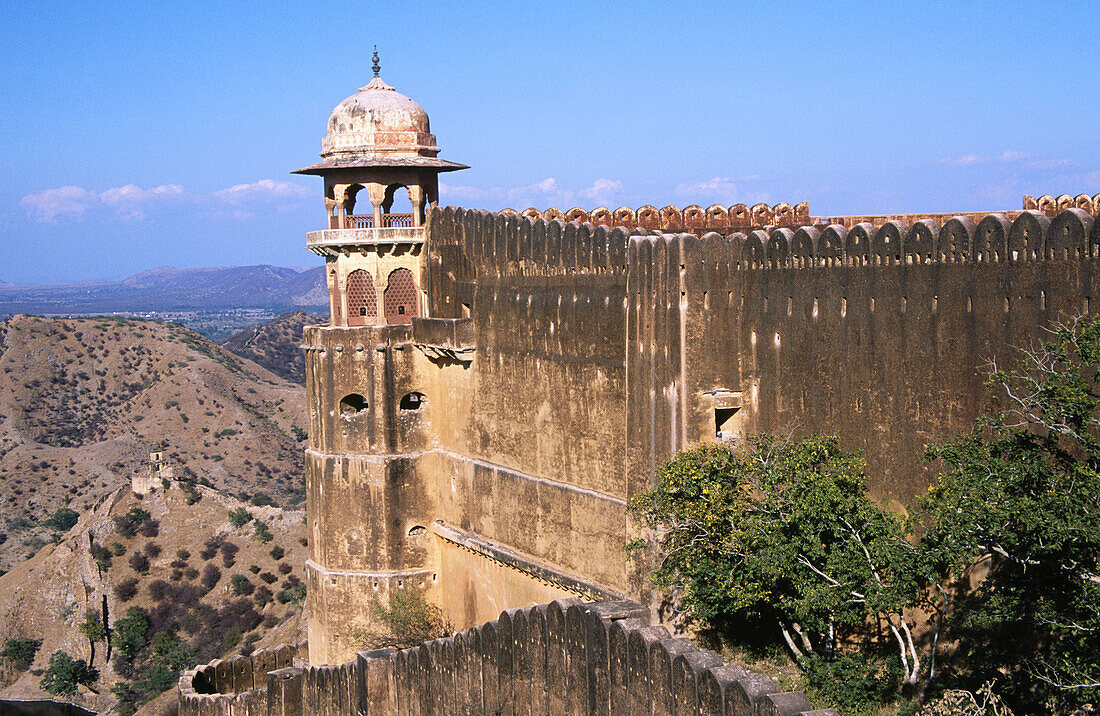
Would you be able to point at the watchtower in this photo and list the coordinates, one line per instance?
(378, 140)
(369, 419)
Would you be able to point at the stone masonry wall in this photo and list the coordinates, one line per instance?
(878, 335)
(560, 658)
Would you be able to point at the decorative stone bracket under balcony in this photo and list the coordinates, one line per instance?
(446, 340)
(331, 242)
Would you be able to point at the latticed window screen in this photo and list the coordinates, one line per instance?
(400, 301)
(362, 301)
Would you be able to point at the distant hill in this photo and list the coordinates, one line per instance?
(275, 344)
(167, 288)
(82, 401)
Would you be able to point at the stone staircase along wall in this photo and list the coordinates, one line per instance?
(566, 657)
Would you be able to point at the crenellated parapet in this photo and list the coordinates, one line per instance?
(1031, 236)
(508, 244)
(674, 218)
(557, 658)
(1052, 206)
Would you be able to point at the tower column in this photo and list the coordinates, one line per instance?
(416, 198)
(377, 199)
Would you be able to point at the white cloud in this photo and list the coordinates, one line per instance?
(129, 201)
(720, 190)
(1005, 157)
(66, 201)
(265, 191)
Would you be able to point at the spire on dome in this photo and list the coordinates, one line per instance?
(376, 67)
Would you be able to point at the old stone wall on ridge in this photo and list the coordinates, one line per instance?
(877, 335)
(559, 658)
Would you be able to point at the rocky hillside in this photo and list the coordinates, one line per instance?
(83, 401)
(275, 344)
(205, 585)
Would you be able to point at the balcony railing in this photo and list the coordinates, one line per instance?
(366, 221)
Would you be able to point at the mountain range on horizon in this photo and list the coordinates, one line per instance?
(168, 288)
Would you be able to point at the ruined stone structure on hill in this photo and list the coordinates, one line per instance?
(491, 389)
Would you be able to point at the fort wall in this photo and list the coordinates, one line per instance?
(877, 335)
(559, 658)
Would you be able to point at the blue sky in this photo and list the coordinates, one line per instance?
(140, 134)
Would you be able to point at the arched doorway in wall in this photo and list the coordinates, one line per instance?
(400, 300)
(362, 301)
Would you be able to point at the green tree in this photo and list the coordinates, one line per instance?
(131, 633)
(65, 673)
(263, 533)
(20, 652)
(62, 520)
(1020, 496)
(408, 619)
(782, 533)
(127, 525)
(239, 517)
(93, 629)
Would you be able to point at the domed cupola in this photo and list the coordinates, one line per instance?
(379, 140)
(378, 120)
(378, 126)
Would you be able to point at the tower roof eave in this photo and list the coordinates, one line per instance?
(439, 165)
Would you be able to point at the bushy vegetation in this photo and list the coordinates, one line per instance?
(128, 524)
(778, 538)
(62, 520)
(20, 652)
(65, 673)
(407, 620)
(239, 517)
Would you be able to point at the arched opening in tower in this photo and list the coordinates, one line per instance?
(400, 298)
(362, 301)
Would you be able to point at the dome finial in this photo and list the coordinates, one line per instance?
(376, 66)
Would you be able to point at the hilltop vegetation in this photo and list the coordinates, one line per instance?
(141, 588)
(83, 401)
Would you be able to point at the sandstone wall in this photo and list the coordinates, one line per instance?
(559, 658)
(876, 335)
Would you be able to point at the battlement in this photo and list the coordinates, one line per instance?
(672, 218)
(1051, 206)
(509, 244)
(561, 657)
(994, 238)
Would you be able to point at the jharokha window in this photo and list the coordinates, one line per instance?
(362, 302)
(400, 300)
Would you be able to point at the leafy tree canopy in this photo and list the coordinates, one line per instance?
(65, 673)
(783, 532)
(1021, 496)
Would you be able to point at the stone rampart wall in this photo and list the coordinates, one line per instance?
(561, 658)
(237, 685)
(875, 334)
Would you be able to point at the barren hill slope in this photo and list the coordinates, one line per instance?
(275, 344)
(83, 401)
(210, 588)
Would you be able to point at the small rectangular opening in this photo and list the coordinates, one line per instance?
(465, 310)
(723, 422)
